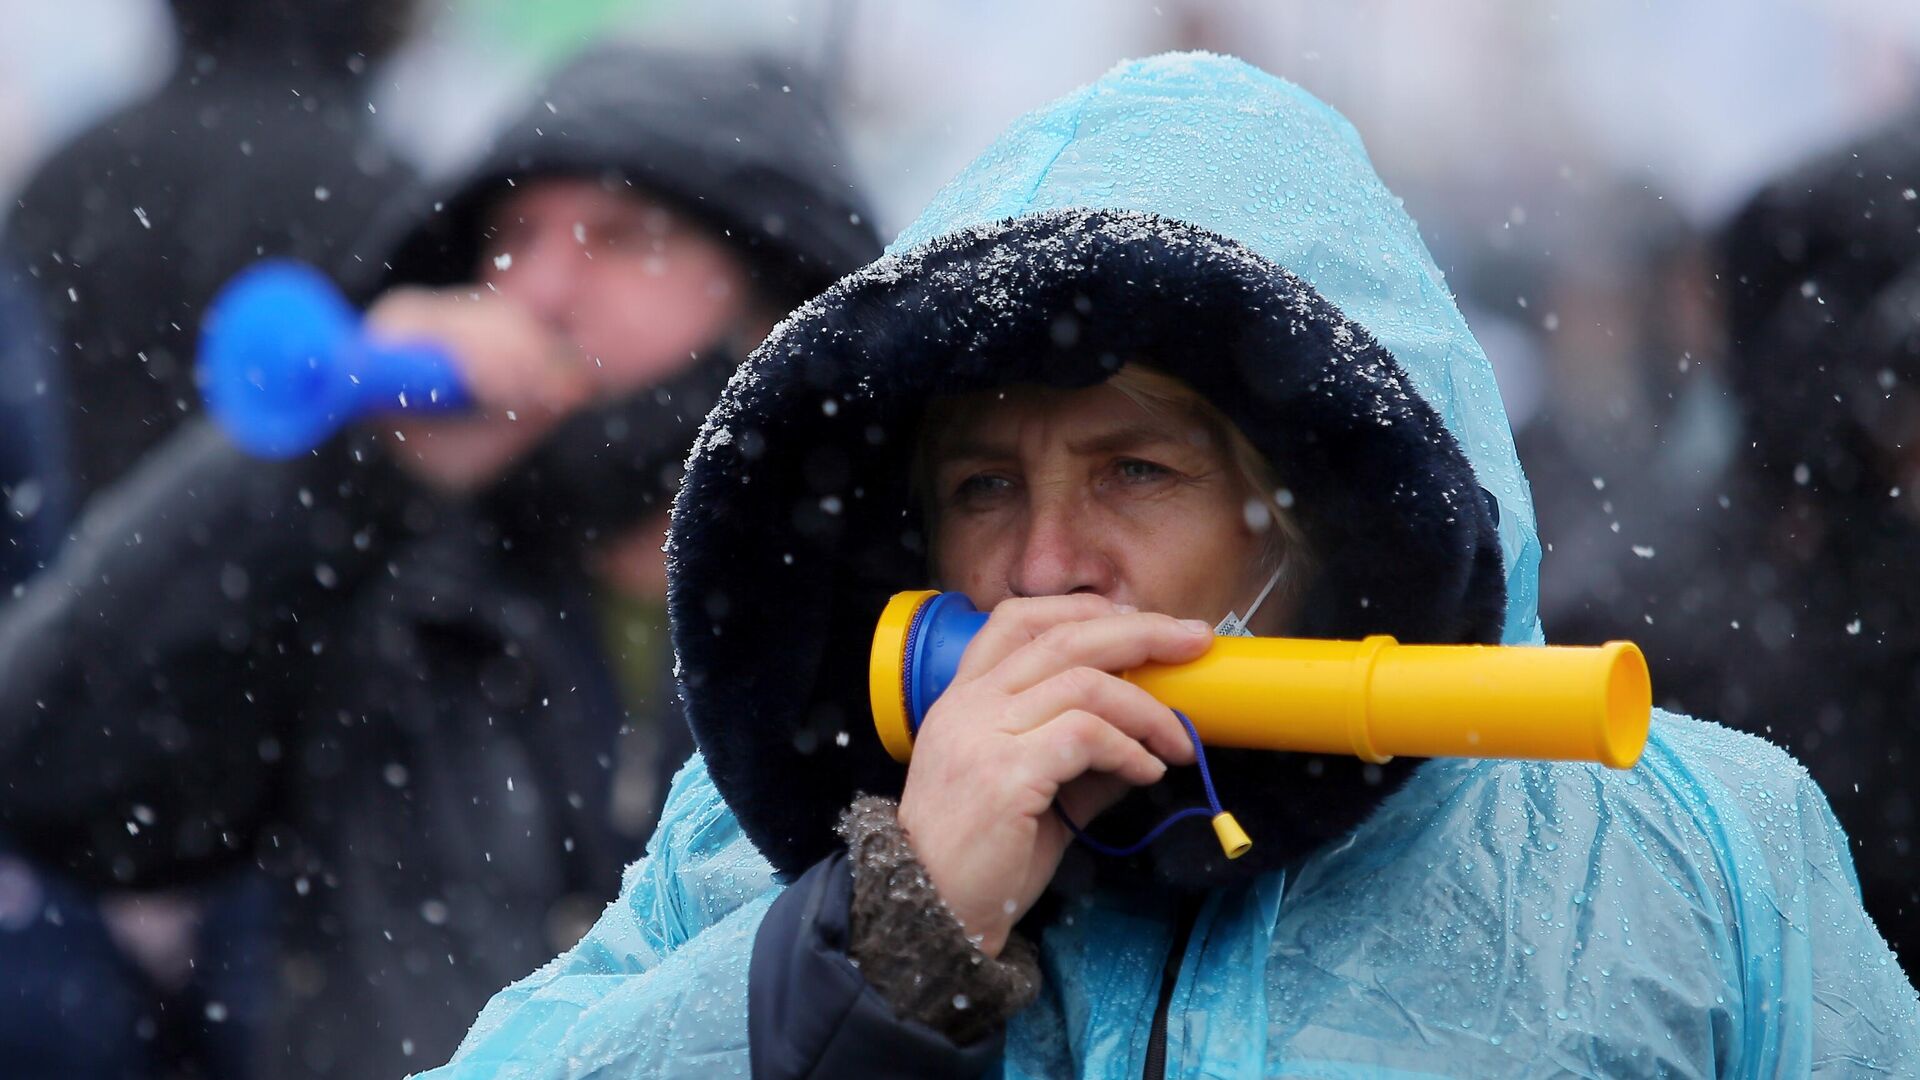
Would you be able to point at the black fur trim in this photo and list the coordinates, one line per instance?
(795, 524)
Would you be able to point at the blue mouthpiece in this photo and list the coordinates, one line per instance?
(285, 362)
(935, 642)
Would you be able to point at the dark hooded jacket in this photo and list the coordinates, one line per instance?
(399, 705)
(1694, 917)
(1785, 601)
(34, 494)
(260, 143)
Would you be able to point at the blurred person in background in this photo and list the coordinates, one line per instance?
(61, 977)
(1633, 417)
(260, 143)
(34, 499)
(1786, 586)
(420, 676)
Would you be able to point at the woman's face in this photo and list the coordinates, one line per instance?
(1041, 492)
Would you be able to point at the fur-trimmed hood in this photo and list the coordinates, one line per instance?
(1188, 208)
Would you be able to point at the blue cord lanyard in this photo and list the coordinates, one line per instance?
(1212, 809)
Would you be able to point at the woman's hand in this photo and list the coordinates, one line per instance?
(1036, 713)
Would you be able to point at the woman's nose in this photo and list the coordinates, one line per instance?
(1060, 552)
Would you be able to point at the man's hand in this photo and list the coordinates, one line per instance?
(523, 377)
(1036, 712)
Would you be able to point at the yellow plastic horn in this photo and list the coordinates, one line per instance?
(1375, 699)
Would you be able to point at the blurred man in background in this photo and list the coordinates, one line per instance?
(420, 676)
(1785, 586)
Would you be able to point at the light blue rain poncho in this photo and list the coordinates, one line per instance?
(1696, 916)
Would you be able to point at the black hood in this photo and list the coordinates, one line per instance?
(743, 145)
(330, 35)
(795, 523)
(1823, 306)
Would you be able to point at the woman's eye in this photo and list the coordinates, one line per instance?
(1133, 470)
(980, 486)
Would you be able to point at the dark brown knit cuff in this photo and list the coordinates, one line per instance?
(910, 945)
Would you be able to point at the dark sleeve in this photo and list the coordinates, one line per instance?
(811, 1013)
(148, 674)
(861, 969)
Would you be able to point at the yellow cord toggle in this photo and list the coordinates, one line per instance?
(1233, 839)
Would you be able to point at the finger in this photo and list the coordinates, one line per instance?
(1016, 622)
(1076, 743)
(1140, 715)
(1085, 799)
(1112, 643)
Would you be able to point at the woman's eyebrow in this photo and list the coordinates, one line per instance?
(1113, 440)
(969, 448)
(1129, 437)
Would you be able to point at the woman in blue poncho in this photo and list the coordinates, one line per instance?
(1168, 345)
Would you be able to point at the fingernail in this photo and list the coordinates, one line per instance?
(1125, 609)
(1196, 626)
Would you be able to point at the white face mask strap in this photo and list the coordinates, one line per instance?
(1236, 626)
(1271, 582)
